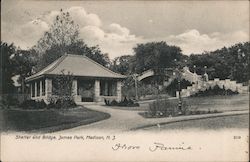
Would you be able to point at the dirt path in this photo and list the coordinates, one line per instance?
(124, 120)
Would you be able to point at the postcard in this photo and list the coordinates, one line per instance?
(111, 80)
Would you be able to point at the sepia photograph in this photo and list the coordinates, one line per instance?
(110, 80)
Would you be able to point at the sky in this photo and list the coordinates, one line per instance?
(117, 26)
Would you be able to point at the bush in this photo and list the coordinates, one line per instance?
(9, 100)
(164, 108)
(126, 103)
(61, 103)
(107, 103)
(114, 103)
(54, 102)
(32, 104)
(174, 86)
(215, 91)
(41, 104)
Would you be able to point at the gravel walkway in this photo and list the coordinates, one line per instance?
(124, 120)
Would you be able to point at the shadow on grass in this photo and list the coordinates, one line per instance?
(47, 120)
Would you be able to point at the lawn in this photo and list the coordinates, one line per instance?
(142, 107)
(47, 120)
(215, 123)
(220, 103)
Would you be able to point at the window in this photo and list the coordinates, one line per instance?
(38, 88)
(32, 89)
(43, 87)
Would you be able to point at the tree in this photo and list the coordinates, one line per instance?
(63, 32)
(62, 87)
(62, 38)
(7, 70)
(155, 55)
(23, 63)
(225, 63)
(122, 64)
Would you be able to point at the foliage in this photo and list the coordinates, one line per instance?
(174, 86)
(47, 121)
(128, 88)
(155, 55)
(144, 90)
(62, 84)
(77, 48)
(62, 32)
(54, 103)
(23, 63)
(122, 64)
(62, 38)
(61, 103)
(32, 104)
(169, 108)
(226, 63)
(7, 70)
(8, 100)
(166, 107)
(62, 89)
(215, 91)
(125, 103)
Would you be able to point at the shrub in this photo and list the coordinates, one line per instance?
(126, 103)
(167, 108)
(114, 103)
(9, 100)
(215, 91)
(32, 104)
(61, 102)
(41, 104)
(106, 102)
(174, 86)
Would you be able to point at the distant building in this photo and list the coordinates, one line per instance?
(92, 81)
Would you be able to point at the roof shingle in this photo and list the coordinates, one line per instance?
(79, 65)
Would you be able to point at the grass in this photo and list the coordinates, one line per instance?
(215, 123)
(47, 120)
(200, 105)
(212, 103)
(220, 103)
(142, 107)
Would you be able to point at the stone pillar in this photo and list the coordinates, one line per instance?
(97, 90)
(119, 90)
(74, 88)
(48, 88)
(177, 94)
(35, 95)
(41, 88)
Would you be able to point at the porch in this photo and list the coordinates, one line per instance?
(83, 89)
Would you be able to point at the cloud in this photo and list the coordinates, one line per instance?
(115, 41)
(82, 18)
(92, 33)
(192, 41)
(113, 38)
(26, 35)
(49, 17)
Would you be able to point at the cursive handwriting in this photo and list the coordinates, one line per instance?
(161, 147)
(119, 146)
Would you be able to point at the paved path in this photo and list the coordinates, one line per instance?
(125, 120)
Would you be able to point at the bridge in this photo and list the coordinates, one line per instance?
(199, 83)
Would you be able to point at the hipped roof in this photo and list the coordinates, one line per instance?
(78, 65)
